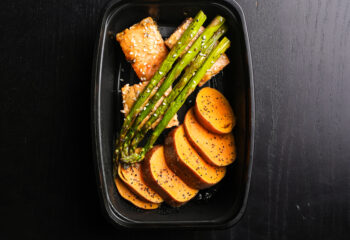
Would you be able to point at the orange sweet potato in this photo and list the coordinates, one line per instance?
(213, 111)
(186, 163)
(157, 175)
(131, 197)
(131, 176)
(218, 150)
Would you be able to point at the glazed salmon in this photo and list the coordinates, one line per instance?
(128, 195)
(143, 47)
(131, 176)
(157, 174)
(186, 163)
(130, 94)
(222, 62)
(217, 149)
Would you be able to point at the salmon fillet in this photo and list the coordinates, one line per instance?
(143, 47)
(222, 62)
(170, 42)
(130, 94)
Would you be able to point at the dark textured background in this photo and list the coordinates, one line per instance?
(300, 185)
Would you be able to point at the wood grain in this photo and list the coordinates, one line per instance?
(300, 183)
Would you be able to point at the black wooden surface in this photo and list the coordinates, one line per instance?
(300, 185)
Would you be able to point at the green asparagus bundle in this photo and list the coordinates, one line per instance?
(163, 70)
(180, 100)
(174, 73)
(190, 71)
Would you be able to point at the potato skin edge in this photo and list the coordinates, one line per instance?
(179, 167)
(152, 182)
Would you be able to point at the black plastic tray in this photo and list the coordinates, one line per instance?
(218, 207)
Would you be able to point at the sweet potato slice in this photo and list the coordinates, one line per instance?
(218, 150)
(186, 163)
(132, 197)
(157, 175)
(144, 47)
(131, 176)
(213, 111)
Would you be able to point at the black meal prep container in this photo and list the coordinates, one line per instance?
(220, 206)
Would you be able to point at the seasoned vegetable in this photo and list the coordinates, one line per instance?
(132, 197)
(174, 73)
(186, 163)
(218, 150)
(180, 100)
(156, 174)
(222, 62)
(213, 111)
(131, 176)
(130, 94)
(190, 71)
(162, 71)
(143, 47)
(175, 36)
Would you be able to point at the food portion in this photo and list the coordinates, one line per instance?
(143, 47)
(186, 163)
(222, 62)
(125, 193)
(196, 153)
(131, 176)
(213, 111)
(172, 40)
(137, 113)
(131, 93)
(157, 174)
(218, 150)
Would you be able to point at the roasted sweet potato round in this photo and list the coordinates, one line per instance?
(218, 150)
(183, 159)
(213, 111)
(157, 175)
(128, 195)
(131, 176)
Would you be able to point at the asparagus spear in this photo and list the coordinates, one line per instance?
(163, 70)
(174, 73)
(190, 71)
(180, 100)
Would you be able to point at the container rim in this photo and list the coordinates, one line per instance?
(105, 203)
